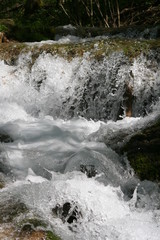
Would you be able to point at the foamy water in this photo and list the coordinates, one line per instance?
(47, 153)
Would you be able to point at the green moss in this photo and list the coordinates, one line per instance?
(51, 236)
(3, 28)
(146, 166)
(143, 152)
(98, 49)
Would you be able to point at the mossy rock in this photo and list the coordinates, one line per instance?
(51, 236)
(98, 49)
(11, 210)
(38, 234)
(32, 223)
(29, 226)
(143, 152)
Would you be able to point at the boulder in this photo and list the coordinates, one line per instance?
(143, 152)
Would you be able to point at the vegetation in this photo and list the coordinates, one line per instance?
(36, 19)
(51, 236)
(3, 28)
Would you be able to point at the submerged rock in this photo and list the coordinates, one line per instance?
(89, 170)
(148, 195)
(4, 168)
(143, 152)
(5, 138)
(43, 172)
(68, 212)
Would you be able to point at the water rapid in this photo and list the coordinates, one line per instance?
(65, 119)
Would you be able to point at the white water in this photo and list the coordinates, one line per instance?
(43, 142)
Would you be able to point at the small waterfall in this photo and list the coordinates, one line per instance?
(109, 88)
(63, 119)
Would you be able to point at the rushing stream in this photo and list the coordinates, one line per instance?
(59, 113)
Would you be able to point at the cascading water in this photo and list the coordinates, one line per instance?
(58, 158)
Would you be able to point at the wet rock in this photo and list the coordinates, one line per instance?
(11, 209)
(123, 32)
(128, 100)
(67, 212)
(105, 165)
(143, 152)
(10, 232)
(89, 170)
(34, 229)
(43, 172)
(15, 223)
(148, 195)
(5, 138)
(31, 223)
(4, 168)
(128, 188)
(10, 62)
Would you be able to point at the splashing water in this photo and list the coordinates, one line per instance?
(54, 161)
